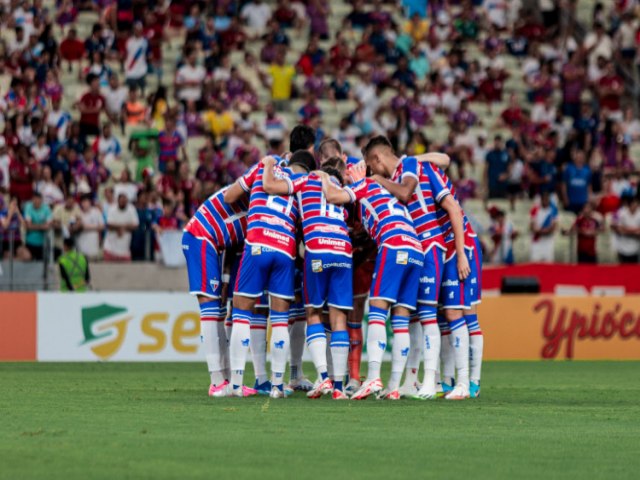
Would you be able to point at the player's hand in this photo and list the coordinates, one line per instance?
(463, 267)
(269, 161)
(358, 171)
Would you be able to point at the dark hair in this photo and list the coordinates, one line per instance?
(329, 143)
(69, 242)
(91, 77)
(304, 159)
(333, 172)
(335, 163)
(86, 196)
(379, 141)
(301, 138)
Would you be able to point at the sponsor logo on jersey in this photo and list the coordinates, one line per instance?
(337, 265)
(316, 266)
(402, 258)
(276, 236)
(415, 261)
(450, 283)
(333, 243)
(256, 249)
(428, 280)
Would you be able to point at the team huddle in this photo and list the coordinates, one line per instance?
(303, 246)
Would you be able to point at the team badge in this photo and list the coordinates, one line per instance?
(402, 258)
(256, 249)
(316, 266)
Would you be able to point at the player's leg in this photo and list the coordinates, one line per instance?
(259, 345)
(476, 339)
(455, 301)
(297, 333)
(448, 372)
(408, 277)
(411, 384)
(281, 293)
(203, 263)
(361, 285)
(249, 286)
(340, 300)
(430, 281)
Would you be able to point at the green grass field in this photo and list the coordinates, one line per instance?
(107, 420)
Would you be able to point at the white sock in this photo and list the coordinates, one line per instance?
(239, 345)
(340, 355)
(211, 326)
(399, 350)
(327, 333)
(376, 341)
(317, 345)
(431, 339)
(259, 346)
(227, 338)
(415, 352)
(280, 344)
(460, 343)
(476, 347)
(297, 333)
(446, 352)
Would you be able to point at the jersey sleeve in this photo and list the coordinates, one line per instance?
(438, 182)
(357, 190)
(246, 180)
(297, 182)
(409, 168)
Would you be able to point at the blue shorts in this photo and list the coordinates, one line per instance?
(264, 269)
(454, 294)
(328, 278)
(397, 276)
(203, 266)
(431, 276)
(475, 278)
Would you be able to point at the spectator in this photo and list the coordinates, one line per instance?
(281, 81)
(626, 226)
(256, 15)
(91, 104)
(66, 222)
(38, 220)
(135, 62)
(190, 78)
(106, 146)
(21, 175)
(92, 221)
(576, 183)
(122, 219)
(134, 110)
(171, 144)
(503, 234)
(543, 224)
(588, 224)
(126, 186)
(115, 96)
(11, 224)
(74, 269)
(71, 48)
(496, 169)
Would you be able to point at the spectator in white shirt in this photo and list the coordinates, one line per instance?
(88, 240)
(115, 96)
(626, 225)
(135, 63)
(543, 224)
(189, 78)
(122, 219)
(256, 14)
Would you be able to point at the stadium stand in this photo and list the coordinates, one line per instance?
(162, 103)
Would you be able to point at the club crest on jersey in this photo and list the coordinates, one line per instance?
(256, 250)
(316, 266)
(402, 258)
(214, 284)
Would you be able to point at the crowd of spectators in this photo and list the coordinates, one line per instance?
(97, 130)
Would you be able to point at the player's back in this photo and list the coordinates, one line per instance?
(272, 218)
(387, 221)
(223, 224)
(441, 188)
(323, 224)
(422, 204)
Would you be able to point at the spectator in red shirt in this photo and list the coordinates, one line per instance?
(610, 90)
(72, 49)
(587, 225)
(91, 104)
(168, 220)
(21, 175)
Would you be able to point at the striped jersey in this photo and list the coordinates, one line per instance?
(221, 223)
(324, 227)
(272, 218)
(422, 205)
(169, 144)
(386, 220)
(441, 187)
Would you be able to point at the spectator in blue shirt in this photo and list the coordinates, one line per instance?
(495, 169)
(576, 183)
(38, 218)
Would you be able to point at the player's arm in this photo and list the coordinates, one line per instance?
(333, 193)
(234, 192)
(452, 207)
(271, 184)
(402, 191)
(440, 160)
(242, 185)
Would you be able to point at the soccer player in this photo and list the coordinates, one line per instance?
(216, 226)
(267, 264)
(409, 180)
(327, 270)
(395, 281)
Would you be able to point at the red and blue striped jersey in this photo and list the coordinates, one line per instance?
(272, 218)
(422, 205)
(221, 223)
(387, 221)
(441, 187)
(324, 225)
